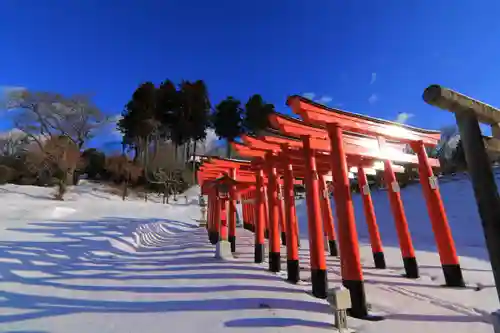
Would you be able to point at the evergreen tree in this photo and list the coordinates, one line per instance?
(227, 121)
(257, 113)
(139, 118)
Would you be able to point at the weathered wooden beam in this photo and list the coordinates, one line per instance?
(453, 101)
(468, 113)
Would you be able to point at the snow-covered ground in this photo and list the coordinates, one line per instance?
(74, 266)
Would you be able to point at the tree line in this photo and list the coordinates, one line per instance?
(182, 114)
(163, 126)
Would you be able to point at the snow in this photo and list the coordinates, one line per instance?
(94, 263)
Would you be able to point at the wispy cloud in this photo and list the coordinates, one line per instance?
(9, 89)
(373, 99)
(325, 99)
(309, 95)
(374, 78)
(403, 117)
(111, 126)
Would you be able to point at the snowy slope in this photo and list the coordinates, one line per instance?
(75, 266)
(468, 307)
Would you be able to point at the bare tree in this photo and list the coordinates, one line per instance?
(80, 119)
(13, 142)
(42, 115)
(161, 165)
(58, 158)
(123, 171)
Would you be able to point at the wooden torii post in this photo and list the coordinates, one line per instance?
(468, 114)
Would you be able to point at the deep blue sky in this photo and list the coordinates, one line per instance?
(346, 51)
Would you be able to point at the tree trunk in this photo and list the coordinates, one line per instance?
(136, 153)
(228, 152)
(166, 190)
(61, 189)
(125, 188)
(194, 163)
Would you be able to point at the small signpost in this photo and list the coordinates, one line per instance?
(203, 210)
(340, 300)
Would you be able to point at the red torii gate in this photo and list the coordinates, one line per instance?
(212, 175)
(223, 171)
(337, 122)
(295, 159)
(357, 141)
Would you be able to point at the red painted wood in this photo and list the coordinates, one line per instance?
(317, 114)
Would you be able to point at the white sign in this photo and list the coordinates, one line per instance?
(365, 189)
(395, 187)
(433, 181)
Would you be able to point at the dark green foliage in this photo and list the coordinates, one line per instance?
(257, 114)
(167, 108)
(140, 111)
(180, 114)
(195, 106)
(139, 121)
(94, 163)
(228, 120)
(187, 111)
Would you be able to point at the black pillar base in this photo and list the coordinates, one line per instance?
(293, 270)
(246, 226)
(379, 260)
(332, 245)
(213, 236)
(252, 227)
(411, 268)
(259, 253)
(266, 234)
(453, 276)
(283, 238)
(232, 240)
(319, 283)
(356, 289)
(274, 261)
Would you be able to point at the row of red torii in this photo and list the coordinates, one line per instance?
(327, 144)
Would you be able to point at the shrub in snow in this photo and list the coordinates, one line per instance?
(123, 171)
(6, 174)
(58, 158)
(94, 161)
